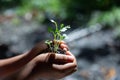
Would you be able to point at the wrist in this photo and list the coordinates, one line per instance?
(25, 73)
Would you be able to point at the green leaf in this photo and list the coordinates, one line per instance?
(57, 31)
(48, 42)
(61, 26)
(57, 34)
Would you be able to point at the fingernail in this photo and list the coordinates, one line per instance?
(64, 49)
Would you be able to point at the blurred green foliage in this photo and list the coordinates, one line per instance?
(5, 4)
(42, 8)
(80, 10)
(77, 12)
(108, 19)
(86, 6)
(62, 9)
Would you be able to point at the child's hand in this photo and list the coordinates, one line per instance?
(38, 48)
(42, 47)
(51, 65)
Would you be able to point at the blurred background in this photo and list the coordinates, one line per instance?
(94, 37)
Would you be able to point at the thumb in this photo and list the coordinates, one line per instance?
(39, 48)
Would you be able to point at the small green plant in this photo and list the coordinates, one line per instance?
(57, 36)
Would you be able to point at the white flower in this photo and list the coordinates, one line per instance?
(65, 28)
(52, 20)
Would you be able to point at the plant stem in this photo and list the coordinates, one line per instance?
(56, 26)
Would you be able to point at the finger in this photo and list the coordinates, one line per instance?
(59, 59)
(58, 42)
(62, 42)
(65, 49)
(64, 46)
(70, 54)
(70, 72)
(65, 67)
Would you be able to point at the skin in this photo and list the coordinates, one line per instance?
(31, 66)
(11, 65)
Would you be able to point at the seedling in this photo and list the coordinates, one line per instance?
(58, 35)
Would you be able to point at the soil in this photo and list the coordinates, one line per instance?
(59, 51)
